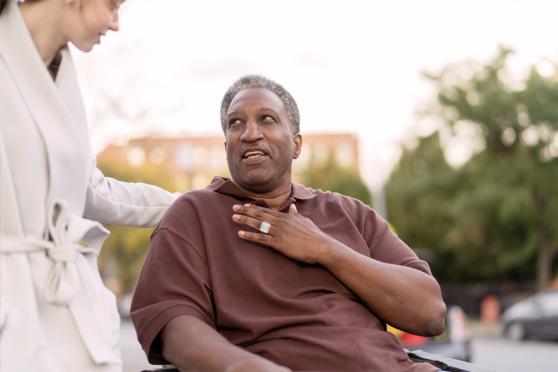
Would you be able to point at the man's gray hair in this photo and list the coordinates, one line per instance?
(258, 81)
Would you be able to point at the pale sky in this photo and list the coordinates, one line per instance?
(351, 65)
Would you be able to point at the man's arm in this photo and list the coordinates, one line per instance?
(406, 298)
(402, 296)
(192, 345)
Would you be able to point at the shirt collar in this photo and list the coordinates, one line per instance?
(225, 186)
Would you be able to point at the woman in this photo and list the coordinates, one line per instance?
(55, 313)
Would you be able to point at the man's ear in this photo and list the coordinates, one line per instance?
(297, 139)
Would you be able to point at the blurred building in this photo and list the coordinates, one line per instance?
(194, 161)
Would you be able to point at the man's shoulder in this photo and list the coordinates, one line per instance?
(191, 205)
(342, 200)
(196, 195)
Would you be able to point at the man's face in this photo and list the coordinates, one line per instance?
(259, 141)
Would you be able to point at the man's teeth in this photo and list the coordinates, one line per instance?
(251, 154)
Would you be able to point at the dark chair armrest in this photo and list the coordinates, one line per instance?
(162, 369)
(447, 364)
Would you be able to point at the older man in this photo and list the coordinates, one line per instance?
(257, 273)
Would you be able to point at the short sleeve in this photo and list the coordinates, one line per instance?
(385, 245)
(174, 281)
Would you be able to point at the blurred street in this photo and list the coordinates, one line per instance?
(132, 354)
(492, 351)
(489, 350)
(508, 356)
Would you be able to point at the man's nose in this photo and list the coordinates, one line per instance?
(252, 132)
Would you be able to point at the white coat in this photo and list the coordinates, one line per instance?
(55, 313)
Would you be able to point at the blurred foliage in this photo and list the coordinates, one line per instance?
(418, 196)
(124, 251)
(494, 217)
(330, 176)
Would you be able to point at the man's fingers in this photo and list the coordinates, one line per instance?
(256, 237)
(253, 210)
(292, 209)
(248, 221)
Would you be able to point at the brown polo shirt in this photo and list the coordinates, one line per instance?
(295, 314)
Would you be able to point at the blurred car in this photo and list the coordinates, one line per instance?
(535, 317)
(454, 343)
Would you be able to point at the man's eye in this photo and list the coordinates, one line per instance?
(268, 119)
(234, 122)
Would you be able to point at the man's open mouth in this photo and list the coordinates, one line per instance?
(253, 154)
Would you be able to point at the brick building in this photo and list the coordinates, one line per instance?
(195, 160)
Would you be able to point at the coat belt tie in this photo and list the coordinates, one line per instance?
(72, 243)
(69, 237)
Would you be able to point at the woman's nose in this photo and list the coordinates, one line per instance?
(114, 25)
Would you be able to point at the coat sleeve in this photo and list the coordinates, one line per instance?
(125, 203)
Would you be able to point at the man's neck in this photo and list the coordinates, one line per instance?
(42, 20)
(274, 199)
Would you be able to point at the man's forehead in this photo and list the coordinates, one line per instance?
(256, 97)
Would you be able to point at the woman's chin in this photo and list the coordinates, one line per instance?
(85, 47)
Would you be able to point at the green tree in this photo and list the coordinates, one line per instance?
(491, 236)
(504, 203)
(419, 193)
(331, 176)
